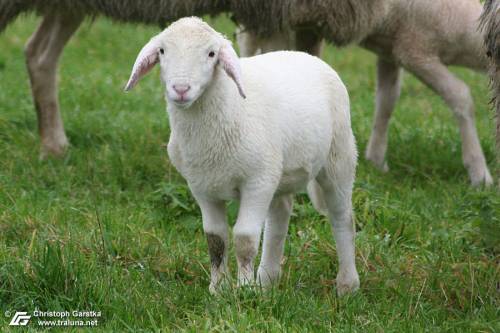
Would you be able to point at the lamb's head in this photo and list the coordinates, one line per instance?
(188, 52)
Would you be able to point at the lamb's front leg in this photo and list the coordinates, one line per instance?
(275, 232)
(216, 231)
(251, 216)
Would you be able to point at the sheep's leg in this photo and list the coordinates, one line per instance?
(42, 54)
(457, 96)
(337, 192)
(216, 232)
(388, 89)
(307, 40)
(276, 42)
(316, 196)
(248, 42)
(275, 231)
(254, 206)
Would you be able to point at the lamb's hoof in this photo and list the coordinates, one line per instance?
(347, 283)
(216, 288)
(245, 282)
(267, 278)
(213, 289)
(480, 176)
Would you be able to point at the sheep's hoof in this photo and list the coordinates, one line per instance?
(347, 283)
(480, 177)
(377, 159)
(379, 164)
(53, 149)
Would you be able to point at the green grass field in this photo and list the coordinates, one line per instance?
(112, 227)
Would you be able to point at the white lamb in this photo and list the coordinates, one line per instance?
(256, 130)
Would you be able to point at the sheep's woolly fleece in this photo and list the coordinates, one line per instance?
(490, 23)
(145, 11)
(342, 21)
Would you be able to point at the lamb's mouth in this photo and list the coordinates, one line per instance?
(182, 102)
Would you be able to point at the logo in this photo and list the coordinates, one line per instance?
(20, 319)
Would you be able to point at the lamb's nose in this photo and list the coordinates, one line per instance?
(181, 89)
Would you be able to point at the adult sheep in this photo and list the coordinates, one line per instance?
(249, 130)
(61, 19)
(421, 36)
(490, 21)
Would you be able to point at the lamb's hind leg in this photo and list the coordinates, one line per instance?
(336, 181)
(457, 96)
(388, 89)
(42, 54)
(275, 231)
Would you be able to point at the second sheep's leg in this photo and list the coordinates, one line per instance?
(275, 231)
(388, 90)
(308, 40)
(43, 50)
(248, 43)
(305, 40)
(457, 96)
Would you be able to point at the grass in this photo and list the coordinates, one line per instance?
(112, 226)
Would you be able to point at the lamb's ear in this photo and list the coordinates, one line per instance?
(146, 60)
(231, 63)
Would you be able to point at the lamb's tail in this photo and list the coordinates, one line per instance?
(317, 197)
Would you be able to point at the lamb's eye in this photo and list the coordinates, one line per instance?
(211, 54)
(162, 51)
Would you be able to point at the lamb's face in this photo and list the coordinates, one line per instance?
(188, 52)
(188, 64)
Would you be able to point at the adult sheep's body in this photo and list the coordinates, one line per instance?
(490, 20)
(143, 11)
(61, 19)
(421, 36)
